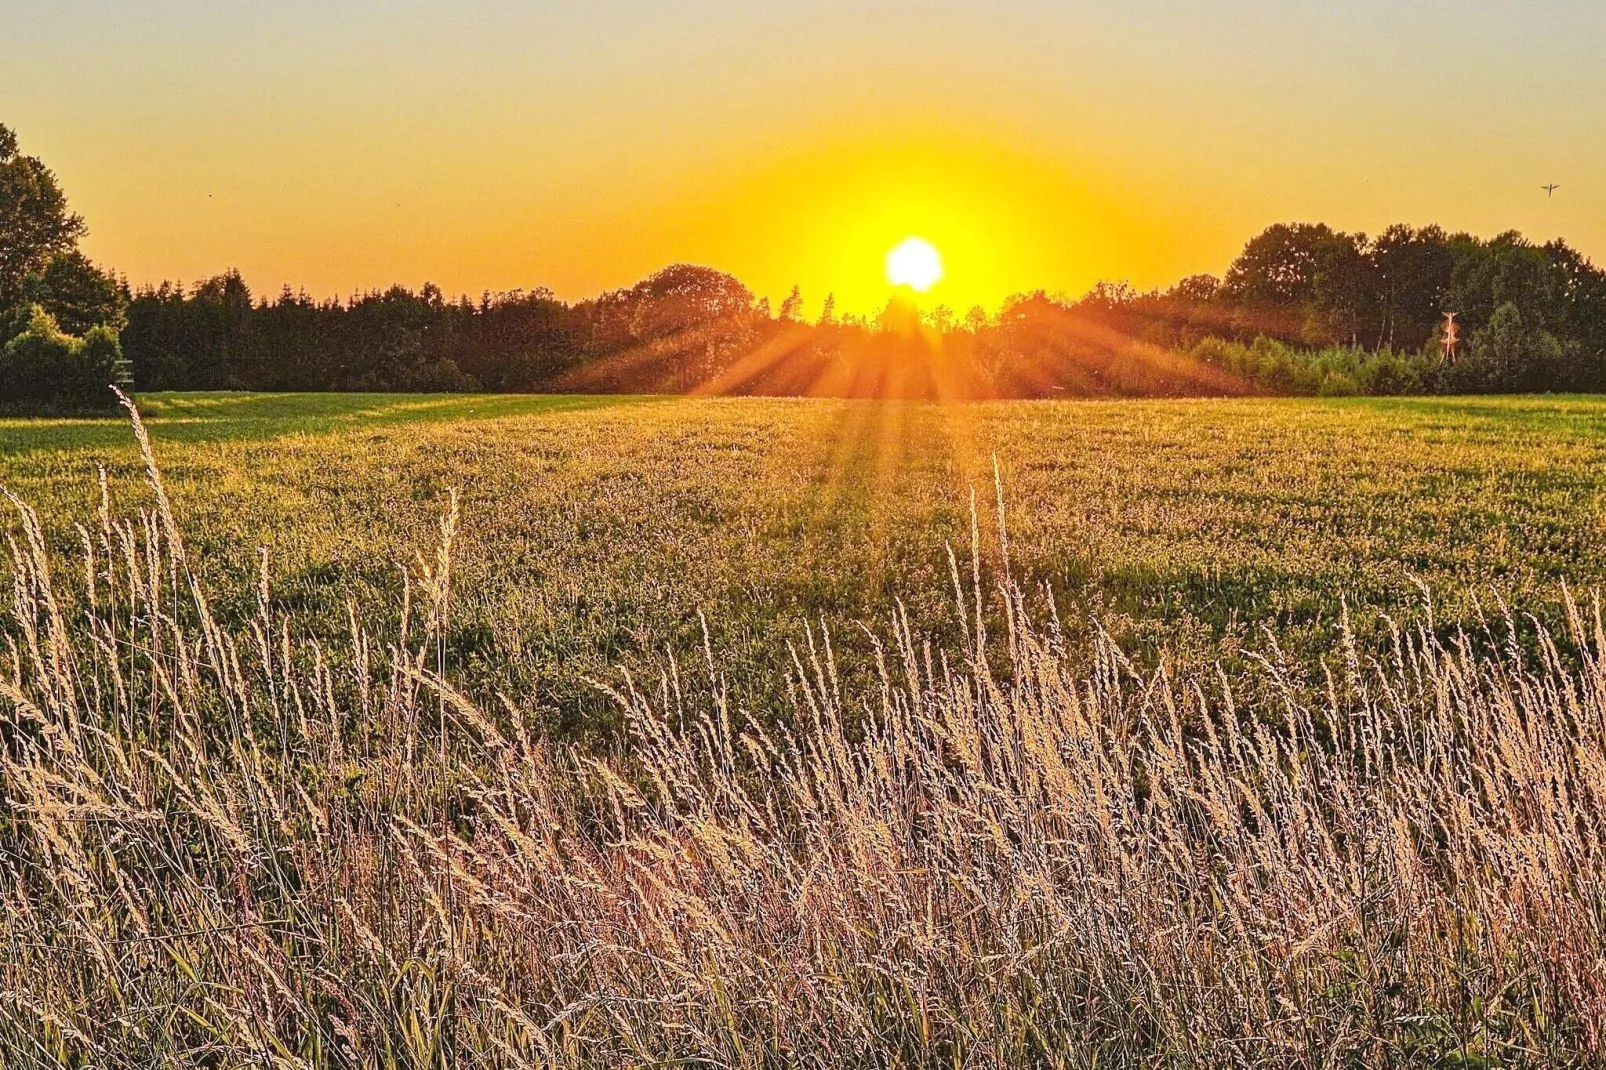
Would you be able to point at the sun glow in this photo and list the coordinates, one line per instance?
(915, 263)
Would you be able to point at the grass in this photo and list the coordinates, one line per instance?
(977, 831)
(244, 839)
(596, 530)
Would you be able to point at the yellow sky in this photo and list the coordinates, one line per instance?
(498, 144)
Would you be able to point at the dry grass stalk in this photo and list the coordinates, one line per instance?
(226, 847)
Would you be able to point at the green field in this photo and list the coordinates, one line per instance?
(235, 831)
(596, 529)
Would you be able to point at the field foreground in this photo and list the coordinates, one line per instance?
(235, 833)
(597, 533)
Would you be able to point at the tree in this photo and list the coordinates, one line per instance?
(901, 316)
(792, 307)
(1279, 266)
(1583, 288)
(1507, 269)
(1309, 267)
(35, 224)
(218, 332)
(154, 339)
(683, 296)
(1198, 289)
(45, 364)
(1412, 270)
(1508, 356)
(59, 314)
(77, 294)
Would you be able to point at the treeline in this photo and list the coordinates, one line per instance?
(1346, 313)
(685, 329)
(1304, 309)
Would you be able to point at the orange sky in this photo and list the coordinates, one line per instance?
(583, 145)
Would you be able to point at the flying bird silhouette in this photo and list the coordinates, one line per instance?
(1550, 190)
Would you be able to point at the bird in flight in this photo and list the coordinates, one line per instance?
(1550, 190)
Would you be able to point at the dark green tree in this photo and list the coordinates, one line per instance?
(59, 314)
(1411, 271)
(1509, 356)
(77, 294)
(1583, 288)
(1196, 288)
(1506, 270)
(35, 223)
(219, 333)
(1319, 278)
(1282, 264)
(44, 364)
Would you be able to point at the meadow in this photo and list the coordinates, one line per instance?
(597, 533)
(429, 731)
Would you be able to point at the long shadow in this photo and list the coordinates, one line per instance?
(212, 417)
(1506, 408)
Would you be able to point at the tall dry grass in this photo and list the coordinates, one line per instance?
(228, 846)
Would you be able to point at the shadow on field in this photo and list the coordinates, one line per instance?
(207, 417)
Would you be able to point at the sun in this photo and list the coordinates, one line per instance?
(915, 263)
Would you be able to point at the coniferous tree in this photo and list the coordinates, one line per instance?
(792, 307)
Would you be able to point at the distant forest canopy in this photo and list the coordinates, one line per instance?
(1304, 309)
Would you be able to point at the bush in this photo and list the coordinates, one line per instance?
(1335, 371)
(1507, 356)
(43, 365)
(1338, 385)
(104, 365)
(1391, 374)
